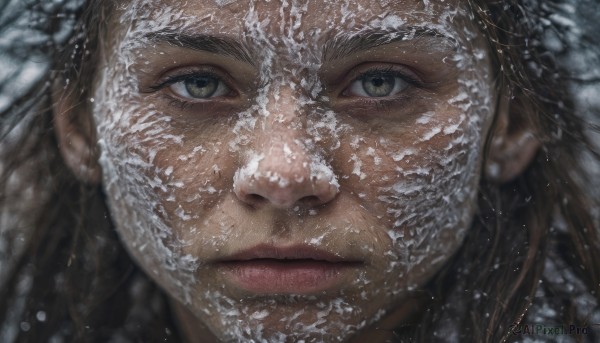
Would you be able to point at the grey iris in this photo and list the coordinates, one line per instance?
(201, 86)
(378, 85)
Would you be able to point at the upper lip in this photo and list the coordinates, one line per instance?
(294, 252)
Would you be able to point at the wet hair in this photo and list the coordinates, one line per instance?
(72, 279)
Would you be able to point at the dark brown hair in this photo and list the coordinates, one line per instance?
(73, 269)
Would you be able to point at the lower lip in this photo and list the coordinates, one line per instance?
(294, 277)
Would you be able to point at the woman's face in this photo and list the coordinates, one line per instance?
(292, 168)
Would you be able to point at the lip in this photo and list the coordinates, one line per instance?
(298, 269)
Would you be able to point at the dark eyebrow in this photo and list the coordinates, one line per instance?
(340, 47)
(216, 45)
(336, 48)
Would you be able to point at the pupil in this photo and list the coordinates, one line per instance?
(200, 83)
(201, 87)
(379, 85)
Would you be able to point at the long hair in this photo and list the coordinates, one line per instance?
(545, 214)
(71, 278)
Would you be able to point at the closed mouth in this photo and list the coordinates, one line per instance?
(297, 269)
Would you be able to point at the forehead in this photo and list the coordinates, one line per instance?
(300, 19)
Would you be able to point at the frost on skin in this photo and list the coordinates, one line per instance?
(222, 3)
(404, 178)
(128, 170)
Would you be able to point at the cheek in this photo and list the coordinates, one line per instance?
(421, 184)
(141, 158)
(431, 198)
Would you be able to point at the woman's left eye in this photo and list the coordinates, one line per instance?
(200, 87)
(377, 85)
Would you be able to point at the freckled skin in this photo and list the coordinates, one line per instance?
(290, 156)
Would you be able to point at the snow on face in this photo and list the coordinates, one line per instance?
(351, 127)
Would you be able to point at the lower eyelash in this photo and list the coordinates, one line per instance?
(382, 104)
(177, 103)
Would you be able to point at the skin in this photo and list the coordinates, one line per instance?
(293, 153)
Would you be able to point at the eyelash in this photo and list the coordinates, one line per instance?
(177, 103)
(171, 80)
(381, 103)
(389, 71)
(384, 103)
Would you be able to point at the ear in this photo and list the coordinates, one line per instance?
(513, 144)
(75, 133)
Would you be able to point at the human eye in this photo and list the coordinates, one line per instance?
(378, 83)
(199, 86)
(195, 86)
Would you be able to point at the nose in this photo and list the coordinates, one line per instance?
(280, 182)
(282, 168)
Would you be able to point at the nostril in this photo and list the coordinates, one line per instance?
(258, 189)
(255, 198)
(309, 200)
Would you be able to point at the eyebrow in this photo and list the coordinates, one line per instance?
(334, 49)
(343, 46)
(207, 43)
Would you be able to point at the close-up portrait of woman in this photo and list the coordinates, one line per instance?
(287, 171)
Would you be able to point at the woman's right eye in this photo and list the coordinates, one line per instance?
(199, 87)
